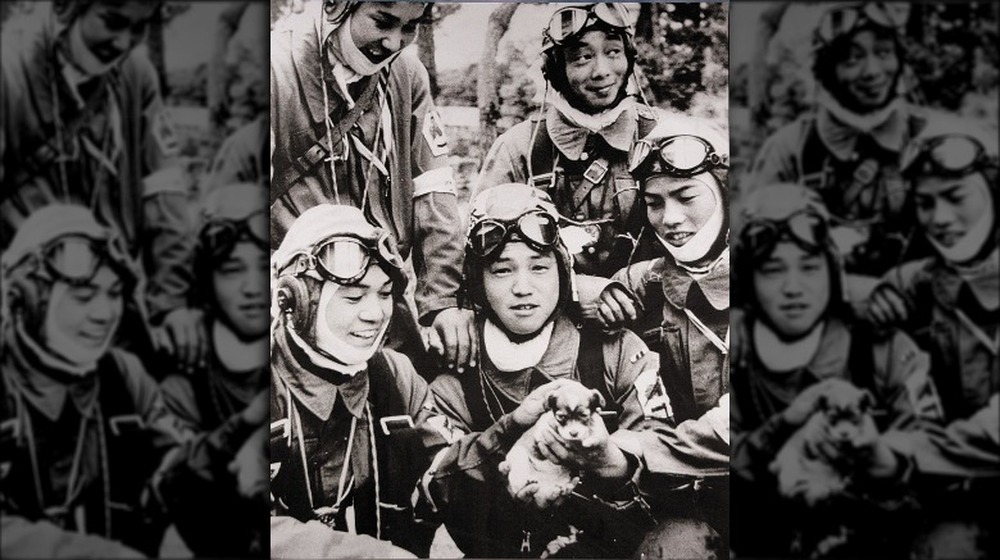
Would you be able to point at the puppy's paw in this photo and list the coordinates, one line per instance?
(504, 468)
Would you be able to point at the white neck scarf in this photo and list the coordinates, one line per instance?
(343, 52)
(237, 355)
(865, 123)
(50, 359)
(779, 356)
(593, 123)
(346, 359)
(972, 242)
(512, 356)
(701, 242)
(83, 58)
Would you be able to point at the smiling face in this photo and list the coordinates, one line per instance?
(867, 72)
(381, 29)
(678, 208)
(240, 285)
(596, 68)
(111, 29)
(949, 208)
(357, 313)
(792, 287)
(522, 287)
(81, 320)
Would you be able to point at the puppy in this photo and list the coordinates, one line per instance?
(573, 408)
(803, 474)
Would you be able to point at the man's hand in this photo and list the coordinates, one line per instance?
(615, 307)
(453, 337)
(886, 306)
(595, 454)
(182, 335)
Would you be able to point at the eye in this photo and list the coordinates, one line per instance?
(500, 270)
(385, 294)
(653, 203)
(541, 267)
(83, 294)
(115, 22)
(925, 202)
(381, 23)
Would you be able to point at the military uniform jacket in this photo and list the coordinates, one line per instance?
(409, 191)
(325, 425)
(109, 146)
(464, 483)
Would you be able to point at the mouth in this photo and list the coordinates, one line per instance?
(523, 309)
(376, 55)
(367, 335)
(107, 55)
(253, 309)
(602, 91)
(793, 309)
(677, 238)
(873, 90)
(93, 338)
(947, 238)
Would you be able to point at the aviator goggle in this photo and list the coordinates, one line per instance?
(220, 235)
(952, 155)
(567, 23)
(806, 228)
(684, 155)
(344, 259)
(538, 229)
(842, 21)
(75, 259)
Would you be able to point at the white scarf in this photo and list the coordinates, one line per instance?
(973, 240)
(235, 354)
(866, 123)
(353, 64)
(593, 123)
(507, 355)
(701, 242)
(779, 356)
(346, 359)
(83, 58)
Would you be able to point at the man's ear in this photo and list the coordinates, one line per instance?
(552, 402)
(596, 399)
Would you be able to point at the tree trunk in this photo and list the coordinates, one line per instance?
(487, 95)
(425, 51)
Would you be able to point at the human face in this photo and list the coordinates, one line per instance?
(948, 208)
(792, 287)
(81, 320)
(111, 29)
(240, 285)
(522, 287)
(678, 208)
(357, 312)
(867, 72)
(595, 69)
(381, 29)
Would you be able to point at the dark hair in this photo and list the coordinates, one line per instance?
(554, 63)
(828, 57)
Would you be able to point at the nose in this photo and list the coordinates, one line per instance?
(123, 41)
(942, 215)
(602, 66)
(392, 41)
(371, 311)
(255, 283)
(792, 286)
(673, 216)
(103, 310)
(522, 284)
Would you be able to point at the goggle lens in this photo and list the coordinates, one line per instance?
(566, 23)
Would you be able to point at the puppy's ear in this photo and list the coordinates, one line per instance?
(596, 399)
(823, 402)
(552, 402)
(867, 401)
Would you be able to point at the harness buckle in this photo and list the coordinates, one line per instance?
(596, 171)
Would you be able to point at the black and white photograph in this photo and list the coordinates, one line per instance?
(865, 412)
(134, 275)
(526, 352)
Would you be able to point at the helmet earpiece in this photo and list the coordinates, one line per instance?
(292, 298)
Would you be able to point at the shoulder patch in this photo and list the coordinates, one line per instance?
(653, 396)
(434, 133)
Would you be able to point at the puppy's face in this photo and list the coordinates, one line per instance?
(845, 409)
(573, 407)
